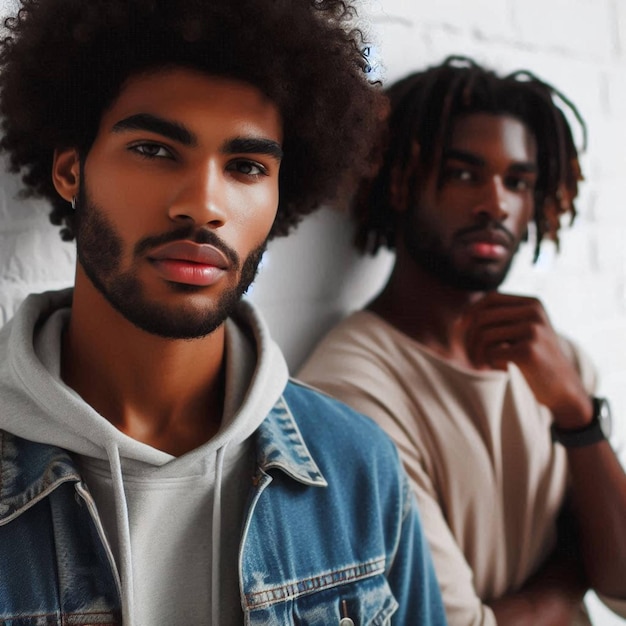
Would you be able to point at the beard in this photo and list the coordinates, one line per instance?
(100, 251)
(427, 250)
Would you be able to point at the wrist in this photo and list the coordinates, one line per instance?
(575, 414)
(596, 429)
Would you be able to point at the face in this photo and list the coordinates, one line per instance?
(469, 221)
(177, 196)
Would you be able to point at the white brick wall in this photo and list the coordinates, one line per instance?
(579, 46)
(32, 256)
(311, 279)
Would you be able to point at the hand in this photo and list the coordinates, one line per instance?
(503, 328)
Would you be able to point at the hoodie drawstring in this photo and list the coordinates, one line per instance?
(123, 532)
(216, 536)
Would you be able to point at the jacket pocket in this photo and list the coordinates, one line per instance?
(366, 602)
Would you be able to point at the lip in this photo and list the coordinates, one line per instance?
(487, 244)
(202, 253)
(189, 263)
(488, 236)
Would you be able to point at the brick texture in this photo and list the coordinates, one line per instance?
(579, 45)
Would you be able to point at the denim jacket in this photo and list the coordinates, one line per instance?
(331, 532)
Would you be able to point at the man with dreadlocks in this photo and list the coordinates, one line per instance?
(490, 408)
(157, 465)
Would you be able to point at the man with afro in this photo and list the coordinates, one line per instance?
(157, 464)
(494, 413)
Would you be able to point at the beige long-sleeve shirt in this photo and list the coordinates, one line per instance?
(476, 445)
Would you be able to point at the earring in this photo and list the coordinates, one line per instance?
(73, 203)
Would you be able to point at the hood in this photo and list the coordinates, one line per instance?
(36, 405)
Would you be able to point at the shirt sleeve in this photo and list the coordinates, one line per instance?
(462, 605)
(411, 575)
(592, 383)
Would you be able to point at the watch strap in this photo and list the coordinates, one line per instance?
(585, 436)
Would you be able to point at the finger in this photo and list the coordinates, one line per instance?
(497, 321)
(498, 357)
(496, 342)
(498, 299)
(504, 315)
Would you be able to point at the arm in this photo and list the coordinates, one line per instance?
(503, 328)
(553, 596)
(599, 497)
(350, 370)
(411, 575)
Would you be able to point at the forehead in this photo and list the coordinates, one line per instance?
(490, 135)
(196, 99)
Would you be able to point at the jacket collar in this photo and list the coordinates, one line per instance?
(29, 471)
(281, 445)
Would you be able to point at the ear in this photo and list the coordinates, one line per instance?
(66, 173)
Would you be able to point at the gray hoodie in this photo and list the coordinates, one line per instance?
(163, 515)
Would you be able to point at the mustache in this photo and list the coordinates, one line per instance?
(489, 226)
(188, 233)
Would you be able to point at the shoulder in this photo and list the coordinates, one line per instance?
(361, 327)
(357, 459)
(581, 361)
(317, 412)
(337, 434)
(355, 350)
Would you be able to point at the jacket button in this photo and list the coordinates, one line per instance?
(346, 621)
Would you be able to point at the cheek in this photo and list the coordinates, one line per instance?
(258, 206)
(436, 223)
(131, 213)
(525, 212)
(130, 198)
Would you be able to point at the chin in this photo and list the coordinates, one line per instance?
(482, 282)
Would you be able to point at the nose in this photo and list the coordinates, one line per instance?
(494, 200)
(201, 197)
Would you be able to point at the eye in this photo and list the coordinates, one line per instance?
(152, 150)
(517, 183)
(461, 174)
(248, 168)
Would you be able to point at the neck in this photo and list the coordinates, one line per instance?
(427, 310)
(163, 392)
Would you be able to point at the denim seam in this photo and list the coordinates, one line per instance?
(38, 498)
(41, 489)
(292, 590)
(54, 618)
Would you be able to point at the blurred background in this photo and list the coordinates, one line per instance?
(311, 279)
(579, 46)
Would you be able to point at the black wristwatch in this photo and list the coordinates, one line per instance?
(598, 430)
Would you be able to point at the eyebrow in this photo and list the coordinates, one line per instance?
(473, 159)
(253, 145)
(145, 121)
(180, 133)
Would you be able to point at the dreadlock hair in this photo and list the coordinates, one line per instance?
(63, 63)
(423, 107)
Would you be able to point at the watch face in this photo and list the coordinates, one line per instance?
(603, 412)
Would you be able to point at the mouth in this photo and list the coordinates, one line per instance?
(189, 263)
(487, 244)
